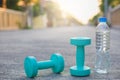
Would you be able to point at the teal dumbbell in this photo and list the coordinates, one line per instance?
(31, 65)
(80, 69)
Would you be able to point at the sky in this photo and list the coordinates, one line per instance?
(81, 9)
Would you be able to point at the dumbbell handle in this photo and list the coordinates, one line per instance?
(45, 64)
(80, 57)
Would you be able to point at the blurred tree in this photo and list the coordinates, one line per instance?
(38, 9)
(52, 8)
(21, 5)
(94, 20)
(111, 3)
(12, 4)
(1, 2)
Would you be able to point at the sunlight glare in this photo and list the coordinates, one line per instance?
(81, 9)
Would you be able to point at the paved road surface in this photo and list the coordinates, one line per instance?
(16, 45)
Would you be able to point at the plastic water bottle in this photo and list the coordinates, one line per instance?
(102, 63)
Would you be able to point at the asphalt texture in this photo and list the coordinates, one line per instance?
(16, 45)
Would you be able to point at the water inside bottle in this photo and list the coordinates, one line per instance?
(102, 51)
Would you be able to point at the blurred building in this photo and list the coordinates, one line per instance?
(11, 19)
(49, 15)
(114, 16)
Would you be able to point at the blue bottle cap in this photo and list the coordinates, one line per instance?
(102, 19)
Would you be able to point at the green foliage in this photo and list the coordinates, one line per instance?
(27, 1)
(21, 26)
(27, 27)
(38, 10)
(111, 3)
(94, 20)
(12, 4)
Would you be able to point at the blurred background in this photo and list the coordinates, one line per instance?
(38, 14)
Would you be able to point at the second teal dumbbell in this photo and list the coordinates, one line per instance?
(31, 65)
(80, 69)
